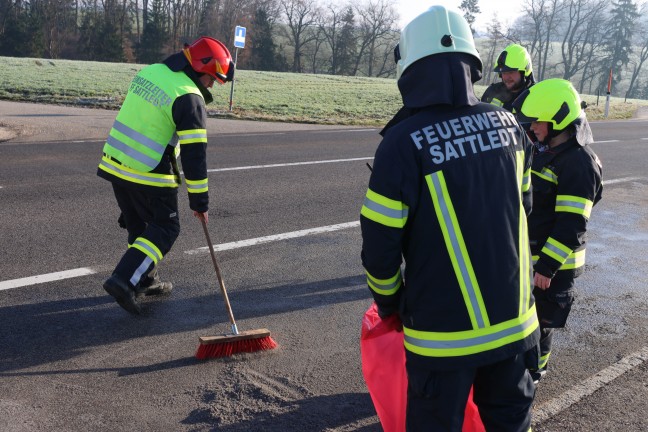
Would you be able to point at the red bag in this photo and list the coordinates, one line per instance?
(383, 367)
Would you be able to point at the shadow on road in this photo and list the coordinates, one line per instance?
(39, 333)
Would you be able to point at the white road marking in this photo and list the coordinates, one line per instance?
(621, 180)
(346, 130)
(276, 237)
(603, 142)
(49, 277)
(589, 386)
(250, 167)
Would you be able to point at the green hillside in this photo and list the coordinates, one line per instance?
(275, 96)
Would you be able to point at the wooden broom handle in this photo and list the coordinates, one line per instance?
(218, 274)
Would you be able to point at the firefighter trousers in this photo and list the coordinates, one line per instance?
(503, 392)
(553, 306)
(153, 226)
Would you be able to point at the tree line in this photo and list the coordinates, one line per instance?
(581, 41)
(578, 40)
(352, 38)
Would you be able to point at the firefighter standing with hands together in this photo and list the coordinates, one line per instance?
(566, 179)
(449, 194)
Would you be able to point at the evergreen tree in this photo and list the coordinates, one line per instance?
(347, 43)
(470, 9)
(19, 38)
(618, 39)
(154, 36)
(263, 51)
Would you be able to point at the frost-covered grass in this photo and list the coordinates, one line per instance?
(274, 96)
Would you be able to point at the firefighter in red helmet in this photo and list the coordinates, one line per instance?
(162, 116)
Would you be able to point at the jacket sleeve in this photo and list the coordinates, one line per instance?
(383, 219)
(527, 192)
(190, 117)
(579, 186)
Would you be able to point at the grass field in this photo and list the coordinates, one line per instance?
(274, 96)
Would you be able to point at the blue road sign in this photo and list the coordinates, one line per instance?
(239, 37)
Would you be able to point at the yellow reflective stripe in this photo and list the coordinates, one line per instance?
(147, 248)
(542, 363)
(197, 186)
(519, 167)
(462, 343)
(547, 174)
(192, 136)
(457, 251)
(556, 250)
(384, 210)
(526, 181)
(496, 102)
(574, 204)
(574, 260)
(385, 286)
(131, 175)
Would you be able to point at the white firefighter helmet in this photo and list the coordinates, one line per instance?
(435, 31)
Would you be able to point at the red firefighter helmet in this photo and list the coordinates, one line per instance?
(209, 56)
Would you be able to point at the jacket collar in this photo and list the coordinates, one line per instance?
(178, 62)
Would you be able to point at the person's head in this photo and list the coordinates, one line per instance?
(551, 107)
(211, 60)
(437, 30)
(514, 67)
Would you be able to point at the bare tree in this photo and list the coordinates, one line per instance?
(582, 34)
(641, 38)
(378, 19)
(301, 17)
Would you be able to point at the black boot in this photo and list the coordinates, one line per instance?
(152, 285)
(123, 293)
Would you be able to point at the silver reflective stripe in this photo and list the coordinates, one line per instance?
(574, 204)
(385, 211)
(137, 276)
(152, 252)
(197, 186)
(131, 152)
(456, 250)
(134, 176)
(139, 137)
(474, 341)
(192, 136)
(561, 253)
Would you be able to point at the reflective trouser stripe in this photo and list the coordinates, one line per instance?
(148, 248)
(542, 362)
(457, 251)
(462, 343)
(384, 286)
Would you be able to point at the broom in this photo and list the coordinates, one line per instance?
(237, 342)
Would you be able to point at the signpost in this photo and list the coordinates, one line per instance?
(239, 42)
(609, 88)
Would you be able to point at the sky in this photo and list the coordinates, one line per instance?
(409, 9)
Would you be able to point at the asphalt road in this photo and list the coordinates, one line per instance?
(72, 360)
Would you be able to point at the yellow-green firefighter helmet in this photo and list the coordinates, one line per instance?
(554, 100)
(435, 31)
(514, 58)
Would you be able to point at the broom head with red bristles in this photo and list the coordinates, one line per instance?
(226, 345)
